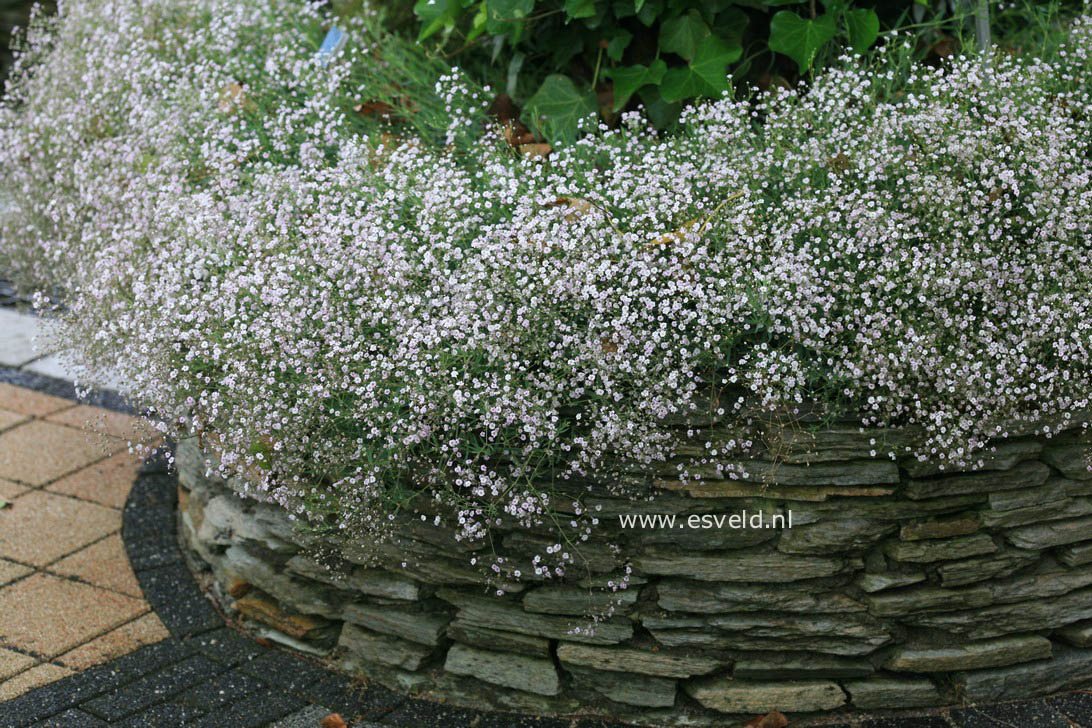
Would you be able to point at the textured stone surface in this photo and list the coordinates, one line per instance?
(1071, 460)
(1025, 475)
(1004, 619)
(1076, 554)
(940, 549)
(970, 656)
(797, 665)
(493, 639)
(640, 690)
(940, 528)
(759, 567)
(1055, 533)
(363, 646)
(1078, 635)
(577, 600)
(834, 535)
(1002, 457)
(519, 672)
(739, 696)
(644, 662)
(1000, 564)
(425, 628)
(496, 614)
(928, 599)
(1052, 511)
(889, 580)
(886, 693)
(1050, 491)
(687, 596)
(1070, 667)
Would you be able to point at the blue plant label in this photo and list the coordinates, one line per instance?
(333, 42)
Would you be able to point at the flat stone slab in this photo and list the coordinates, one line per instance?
(645, 662)
(17, 338)
(888, 693)
(518, 672)
(971, 656)
(744, 696)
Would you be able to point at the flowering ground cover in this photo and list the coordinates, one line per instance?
(430, 320)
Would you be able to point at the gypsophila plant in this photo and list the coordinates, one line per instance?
(371, 324)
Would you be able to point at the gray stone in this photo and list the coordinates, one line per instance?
(519, 672)
(425, 628)
(493, 613)
(703, 637)
(799, 665)
(887, 693)
(422, 563)
(760, 567)
(878, 582)
(830, 536)
(928, 599)
(1070, 668)
(759, 528)
(1075, 554)
(1055, 533)
(229, 520)
(1078, 488)
(1002, 619)
(308, 717)
(726, 695)
(643, 661)
(641, 690)
(1040, 585)
(1078, 635)
(1003, 456)
(887, 509)
(940, 549)
(855, 472)
(776, 625)
(1052, 511)
(577, 601)
(687, 596)
(1050, 491)
(969, 656)
(591, 556)
(368, 647)
(371, 582)
(832, 443)
(1029, 474)
(305, 597)
(1071, 460)
(968, 571)
(940, 528)
(492, 639)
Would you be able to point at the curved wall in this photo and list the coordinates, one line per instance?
(896, 586)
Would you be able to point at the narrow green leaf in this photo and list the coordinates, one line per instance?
(4, 503)
(682, 35)
(800, 39)
(558, 107)
(863, 28)
(628, 80)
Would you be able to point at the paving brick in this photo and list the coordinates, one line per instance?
(29, 402)
(51, 365)
(351, 698)
(162, 716)
(29, 679)
(226, 646)
(71, 718)
(104, 564)
(152, 551)
(284, 670)
(175, 597)
(142, 631)
(10, 491)
(12, 663)
(257, 711)
(9, 419)
(10, 571)
(1075, 706)
(39, 452)
(934, 721)
(225, 688)
(156, 687)
(48, 615)
(106, 482)
(116, 424)
(1036, 713)
(308, 717)
(42, 527)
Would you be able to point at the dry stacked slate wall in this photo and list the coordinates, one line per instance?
(898, 586)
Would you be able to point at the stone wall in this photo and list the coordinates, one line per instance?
(897, 586)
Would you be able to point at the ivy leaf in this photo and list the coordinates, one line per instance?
(649, 12)
(558, 107)
(800, 39)
(662, 114)
(504, 14)
(707, 75)
(575, 9)
(629, 79)
(682, 35)
(862, 27)
(618, 44)
(436, 15)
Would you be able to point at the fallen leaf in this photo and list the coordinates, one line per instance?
(232, 97)
(334, 720)
(578, 206)
(504, 109)
(775, 719)
(609, 347)
(4, 503)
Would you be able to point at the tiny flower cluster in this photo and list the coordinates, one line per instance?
(370, 326)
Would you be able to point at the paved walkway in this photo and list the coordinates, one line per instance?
(102, 624)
